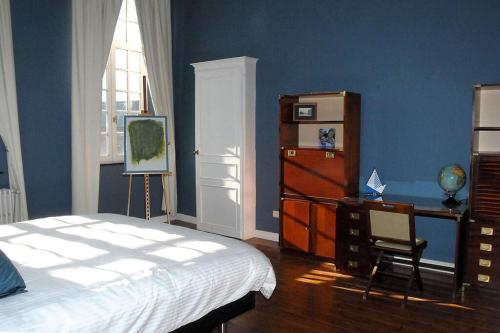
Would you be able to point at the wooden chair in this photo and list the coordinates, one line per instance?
(392, 231)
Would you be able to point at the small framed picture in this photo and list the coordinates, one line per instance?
(326, 137)
(304, 111)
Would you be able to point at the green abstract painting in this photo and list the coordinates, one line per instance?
(145, 144)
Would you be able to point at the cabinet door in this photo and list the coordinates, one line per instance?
(315, 173)
(295, 224)
(323, 220)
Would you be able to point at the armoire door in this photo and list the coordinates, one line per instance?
(220, 129)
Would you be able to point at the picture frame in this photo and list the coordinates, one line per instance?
(145, 145)
(304, 111)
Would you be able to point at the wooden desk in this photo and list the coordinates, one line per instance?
(353, 240)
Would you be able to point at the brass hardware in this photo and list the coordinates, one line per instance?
(486, 231)
(353, 232)
(485, 247)
(352, 264)
(483, 278)
(291, 153)
(472, 221)
(196, 152)
(484, 263)
(354, 248)
(330, 154)
(354, 216)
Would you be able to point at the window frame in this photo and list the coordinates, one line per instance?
(113, 155)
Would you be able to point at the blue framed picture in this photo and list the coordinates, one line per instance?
(145, 144)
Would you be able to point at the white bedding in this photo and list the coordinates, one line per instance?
(112, 273)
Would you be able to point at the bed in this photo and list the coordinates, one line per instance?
(112, 273)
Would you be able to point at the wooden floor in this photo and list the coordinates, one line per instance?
(311, 297)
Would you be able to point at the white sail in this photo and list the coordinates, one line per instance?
(374, 182)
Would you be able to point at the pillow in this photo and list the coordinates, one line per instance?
(11, 281)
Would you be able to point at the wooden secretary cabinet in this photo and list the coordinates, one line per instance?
(483, 229)
(314, 177)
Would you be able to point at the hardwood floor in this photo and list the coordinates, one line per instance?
(312, 297)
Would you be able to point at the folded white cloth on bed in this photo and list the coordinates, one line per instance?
(112, 273)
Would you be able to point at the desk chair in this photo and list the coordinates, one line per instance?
(392, 231)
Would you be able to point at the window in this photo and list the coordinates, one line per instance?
(121, 83)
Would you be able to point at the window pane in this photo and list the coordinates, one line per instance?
(104, 122)
(131, 11)
(121, 80)
(121, 31)
(104, 145)
(134, 61)
(121, 58)
(119, 143)
(104, 104)
(120, 121)
(134, 102)
(104, 81)
(121, 102)
(134, 36)
(134, 82)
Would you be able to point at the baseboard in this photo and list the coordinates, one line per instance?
(185, 218)
(272, 236)
(428, 264)
(161, 218)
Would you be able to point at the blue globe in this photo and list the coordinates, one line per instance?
(451, 179)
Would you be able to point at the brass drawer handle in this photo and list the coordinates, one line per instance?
(354, 248)
(354, 216)
(330, 154)
(291, 153)
(483, 278)
(484, 263)
(486, 231)
(352, 264)
(485, 247)
(354, 232)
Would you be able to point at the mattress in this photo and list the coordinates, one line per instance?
(112, 273)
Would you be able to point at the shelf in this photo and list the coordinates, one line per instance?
(341, 122)
(312, 148)
(486, 128)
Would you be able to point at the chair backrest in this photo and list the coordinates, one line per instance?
(391, 221)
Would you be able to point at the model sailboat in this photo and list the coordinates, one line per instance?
(374, 184)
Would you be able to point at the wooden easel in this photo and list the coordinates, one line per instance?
(164, 179)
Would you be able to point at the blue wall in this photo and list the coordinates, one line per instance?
(414, 62)
(42, 52)
(4, 176)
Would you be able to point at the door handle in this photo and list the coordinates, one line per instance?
(196, 152)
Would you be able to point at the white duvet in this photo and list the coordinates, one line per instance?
(112, 273)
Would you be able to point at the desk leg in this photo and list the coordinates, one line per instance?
(459, 255)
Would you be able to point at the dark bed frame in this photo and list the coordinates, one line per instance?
(220, 316)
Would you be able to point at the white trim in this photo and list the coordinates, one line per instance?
(185, 218)
(161, 218)
(272, 236)
(447, 267)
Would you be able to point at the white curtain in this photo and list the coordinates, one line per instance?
(9, 121)
(93, 28)
(156, 34)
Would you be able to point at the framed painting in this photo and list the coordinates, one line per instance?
(145, 144)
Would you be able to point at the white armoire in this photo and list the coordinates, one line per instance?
(225, 146)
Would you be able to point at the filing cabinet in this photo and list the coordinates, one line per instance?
(353, 246)
(483, 227)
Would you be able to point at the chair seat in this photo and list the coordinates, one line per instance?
(397, 246)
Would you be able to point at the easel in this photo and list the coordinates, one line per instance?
(164, 179)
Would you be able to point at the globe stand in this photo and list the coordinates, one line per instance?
(451, 201)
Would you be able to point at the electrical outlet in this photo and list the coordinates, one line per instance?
(276, 214)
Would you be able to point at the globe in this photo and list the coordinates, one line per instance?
(451, 179)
